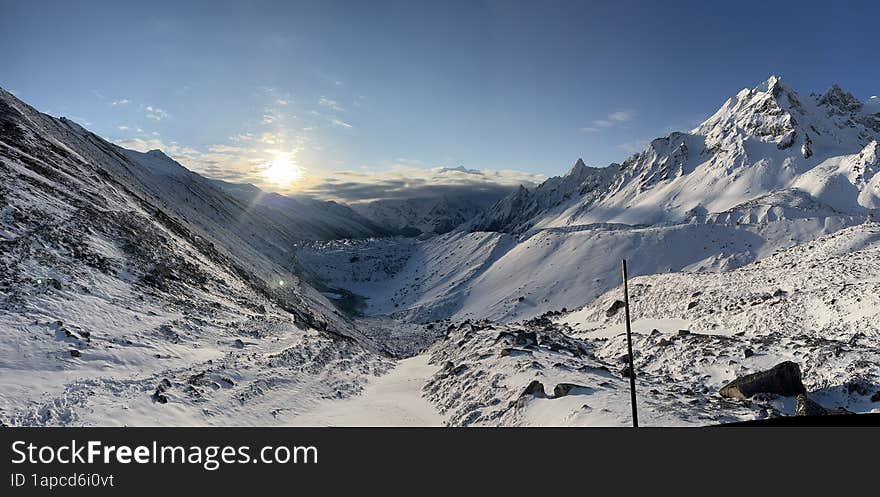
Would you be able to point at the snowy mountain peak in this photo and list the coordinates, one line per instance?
(766, 144)
(773, 84)
(578, 166)
(841, 100)
(766, 112)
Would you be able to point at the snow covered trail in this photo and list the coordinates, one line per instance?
(394, 399)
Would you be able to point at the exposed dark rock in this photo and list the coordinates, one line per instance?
(693, 304)
(664, 342)
(563, 389)
(857, 386)
(616, 306)
(159, 394)
(200, 379)
(75, 353)
(748, 353)
(513, 351)
(535, 388)
(876, 396)
(461, 368)
(526, 338)
(783, 379)
(808, 407)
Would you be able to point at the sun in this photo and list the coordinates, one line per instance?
(282, 170)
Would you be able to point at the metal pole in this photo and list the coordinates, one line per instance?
(629, 345)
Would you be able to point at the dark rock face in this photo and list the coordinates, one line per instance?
(857, 386)
(783, 379)
(809, 407)
(616, 306)
(535, 388)
(563, 389)
(159, 395)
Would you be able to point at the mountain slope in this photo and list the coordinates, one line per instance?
(129, 298)
(816, 305)
(440, 214)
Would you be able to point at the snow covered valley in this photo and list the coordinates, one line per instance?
(136, 292)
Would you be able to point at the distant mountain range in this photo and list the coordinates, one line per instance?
(430, 215)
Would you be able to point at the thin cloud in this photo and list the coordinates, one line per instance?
(620, 116)
(156, 113)
(614, 119)
(121, 101)
(633, 147)
(331, 104)
(342, 124)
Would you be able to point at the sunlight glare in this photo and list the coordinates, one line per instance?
(282, 170)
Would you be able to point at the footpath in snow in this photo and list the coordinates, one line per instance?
(394, 399)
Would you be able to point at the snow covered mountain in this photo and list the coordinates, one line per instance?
(816, 305)
(439, 214)
(308, 218)
(808, 153)
(128, 283)
(769, 170)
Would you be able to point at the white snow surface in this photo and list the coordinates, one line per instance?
(394, 399)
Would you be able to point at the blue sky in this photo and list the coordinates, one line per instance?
(365, 91)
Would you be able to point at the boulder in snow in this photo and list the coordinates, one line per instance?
(563, 389)
(616, 306)
(535, 389)
(783, 379)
